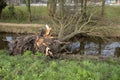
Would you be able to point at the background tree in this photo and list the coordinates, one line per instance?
(103, 8)
(2, 6)
(76, 5)
(61, 7)
(28, 9)
(83, 8)
(51, 6)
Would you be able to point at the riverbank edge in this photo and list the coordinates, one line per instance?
(20, 28)
(101, 31)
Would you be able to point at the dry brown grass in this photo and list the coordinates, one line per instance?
(20, 28)
(106, 31)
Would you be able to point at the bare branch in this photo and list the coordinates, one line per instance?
(69, 36)
(89, 19)
(71, 20)
(77, 23)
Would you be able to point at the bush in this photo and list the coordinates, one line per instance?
(11, 11)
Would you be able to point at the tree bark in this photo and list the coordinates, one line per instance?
(103, 8)
(28, 10)
(83, 8)
(0, 13)
(82, 3)
(69, 36)
(51, 6)
(3, 4)
(76, 5)
(61, 5)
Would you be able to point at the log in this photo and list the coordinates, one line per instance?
(42, 41)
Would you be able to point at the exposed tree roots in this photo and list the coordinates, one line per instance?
(41, 41)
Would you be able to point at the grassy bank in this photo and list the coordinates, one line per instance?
(38, 67)
(112, 31)
(100, 31)
(20, 28)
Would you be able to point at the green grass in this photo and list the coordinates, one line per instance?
(38, 67)
(39, 14)
(113, 14)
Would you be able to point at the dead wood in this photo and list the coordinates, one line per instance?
(42, 41)
(21, 44)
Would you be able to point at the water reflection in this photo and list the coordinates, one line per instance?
(5, 38)
(110, 48)
(89, 47)
(9, 38)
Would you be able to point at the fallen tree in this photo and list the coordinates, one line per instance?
(42, 41)
(71, 25)
(66, 28)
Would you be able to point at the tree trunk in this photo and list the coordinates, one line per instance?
(0, 13)
(61, 5)
(82, 47)
(69, 36)
(51, 6)
(76, 5)
(61, 33)
(103, 8)
(3, 4)
(28, 9)
(83, 8)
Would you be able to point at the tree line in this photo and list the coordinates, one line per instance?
(78, 4)
(58, 7)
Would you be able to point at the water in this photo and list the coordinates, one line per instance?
(87, 46)
(96, 46)
(5, 38)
